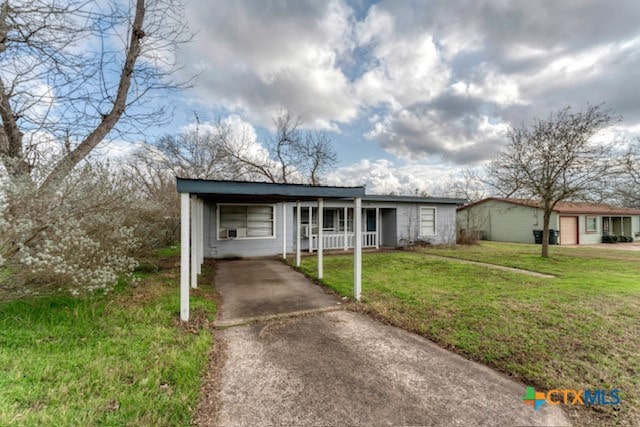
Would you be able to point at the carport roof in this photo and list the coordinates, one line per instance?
(244, 190)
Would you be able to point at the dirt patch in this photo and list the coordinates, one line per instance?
(198, 320)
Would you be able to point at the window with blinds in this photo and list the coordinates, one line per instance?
(427, 221)
(246, 221)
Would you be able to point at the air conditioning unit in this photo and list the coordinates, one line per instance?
(233, 233)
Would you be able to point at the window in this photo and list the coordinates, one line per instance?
(304, 215)
(591, 224)
(328, 217)
(246, 221)
(427, 221)
(349, 220)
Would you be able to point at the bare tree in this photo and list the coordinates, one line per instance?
(627, 189)
(470, 186)
(554, 160)
(79, 71)
(292, 156)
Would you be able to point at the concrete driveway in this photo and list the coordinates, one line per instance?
(626, 246)
(340, 367)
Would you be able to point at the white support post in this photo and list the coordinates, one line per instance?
(298, 225)
(194, 242)
(346, 230)
(184, 257)
(377, 228)
(284, 230)
(320, 236)
(357, 250)
(200, 235)
(310, 229)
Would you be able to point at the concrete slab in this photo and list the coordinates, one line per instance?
(260, 288)
(343, 368)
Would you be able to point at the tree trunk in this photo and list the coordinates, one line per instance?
(545, 234)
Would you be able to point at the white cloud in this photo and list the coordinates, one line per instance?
(408, 69)
(256, 60)
(416, 135)
(423, 80)
(383, 177)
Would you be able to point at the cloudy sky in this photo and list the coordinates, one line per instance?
(411, 92)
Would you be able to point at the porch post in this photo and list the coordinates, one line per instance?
(377, 228)
(320, 235)
(357, 250)
(184, 256)
(298, 225)
(310, 229)
(200, 235)
(284, 230)
(346, 234)
(194, 242)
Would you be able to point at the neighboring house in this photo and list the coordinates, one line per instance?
(244, 226)
(513, 220)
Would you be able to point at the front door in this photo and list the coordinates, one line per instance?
(371, 220)
(568, 230)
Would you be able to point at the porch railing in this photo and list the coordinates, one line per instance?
(336, 240)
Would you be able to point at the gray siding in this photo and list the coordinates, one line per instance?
(408, 224)
(220, 248)
(399, 226)
(589, 238)
(504, 222)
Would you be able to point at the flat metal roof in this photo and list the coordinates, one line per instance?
(413, 199)
(245, 190)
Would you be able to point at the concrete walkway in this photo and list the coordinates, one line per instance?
(340, 367)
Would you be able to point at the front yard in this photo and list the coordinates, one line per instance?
(579, 330)
(118, 359)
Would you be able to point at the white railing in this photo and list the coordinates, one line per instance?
(336, 240)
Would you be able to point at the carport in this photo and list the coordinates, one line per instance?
(194, 193)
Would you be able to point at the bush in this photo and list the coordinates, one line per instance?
(611, 238)
(468, 237)
(80, 237)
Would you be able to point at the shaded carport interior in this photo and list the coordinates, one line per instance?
(194, 192)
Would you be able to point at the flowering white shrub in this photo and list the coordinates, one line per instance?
(80, 238)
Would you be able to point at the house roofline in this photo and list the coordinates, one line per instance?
(614, 210)
(413, 199)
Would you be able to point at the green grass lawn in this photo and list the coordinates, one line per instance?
(578, 330)
(116, 359)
